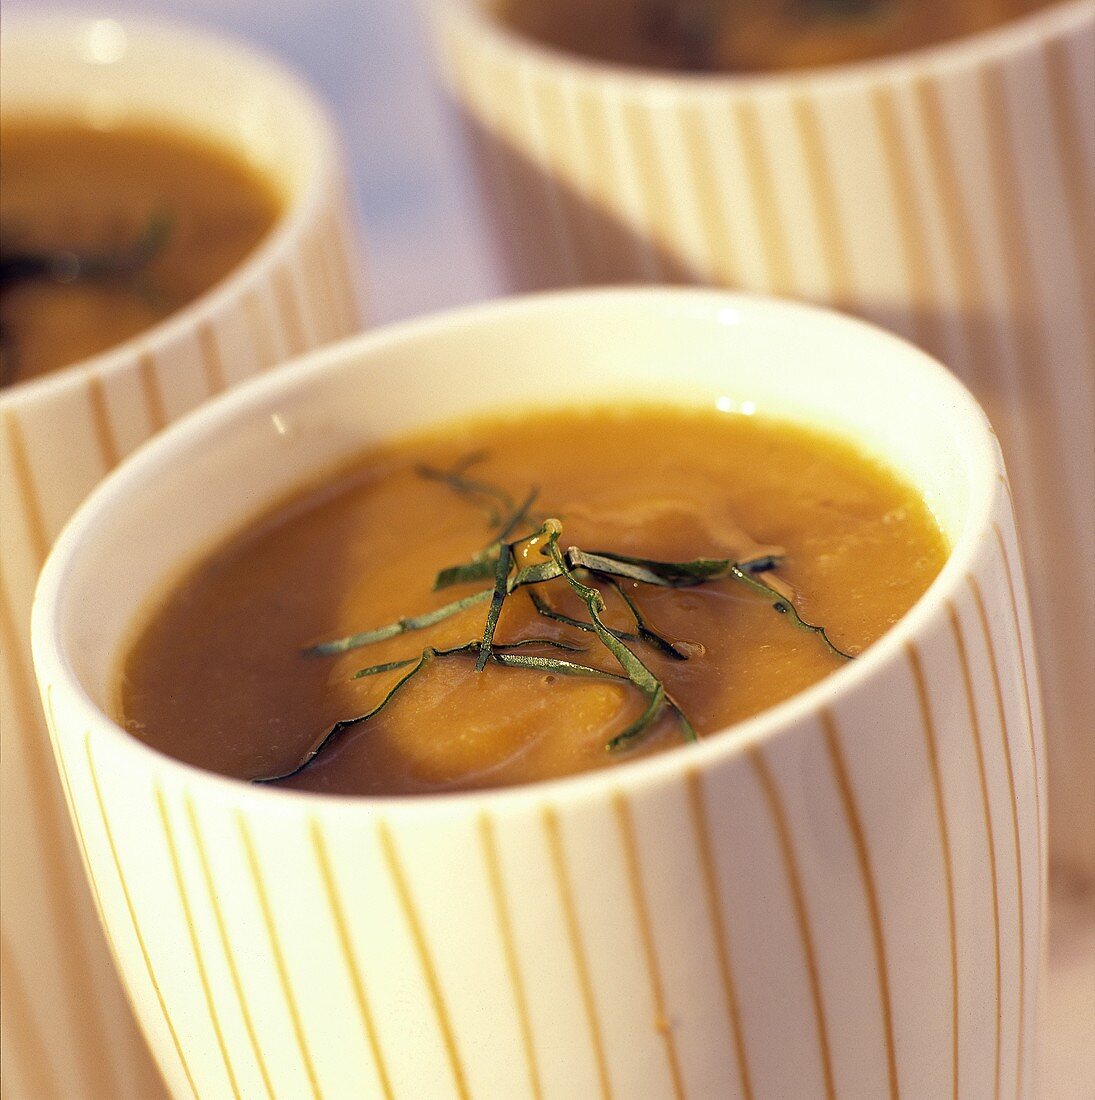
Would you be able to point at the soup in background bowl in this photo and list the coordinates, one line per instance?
(861, 862)
(748, 36)
(105, 232)
(62, 431)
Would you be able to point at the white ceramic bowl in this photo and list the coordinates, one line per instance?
(947, 194)
(61, 433)
(840, 896)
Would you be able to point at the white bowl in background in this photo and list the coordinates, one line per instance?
(61, 432)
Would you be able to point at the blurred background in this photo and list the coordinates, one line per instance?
(369, 59)
(426, 248)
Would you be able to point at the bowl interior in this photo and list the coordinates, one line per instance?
(208, 476)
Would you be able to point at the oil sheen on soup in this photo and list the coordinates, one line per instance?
(655, 575)
(751, 35)
(103, 233)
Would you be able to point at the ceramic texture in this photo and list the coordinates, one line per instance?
(843, 896)
(60, 434)
(948, 195)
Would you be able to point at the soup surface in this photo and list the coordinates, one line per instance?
(105, 232)
(223, 676)
(751, 35)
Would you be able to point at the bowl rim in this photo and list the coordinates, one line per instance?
(300, 208)
(982, 47)
(214, 419)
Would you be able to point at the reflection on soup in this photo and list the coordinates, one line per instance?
(514, 600)
(751, 35)
(105, 232)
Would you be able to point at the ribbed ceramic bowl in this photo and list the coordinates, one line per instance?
(947, 194)
(60, 434)
(842, 896)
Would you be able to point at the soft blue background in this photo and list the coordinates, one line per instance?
(371, 62)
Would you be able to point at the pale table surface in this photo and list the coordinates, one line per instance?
(426, 249)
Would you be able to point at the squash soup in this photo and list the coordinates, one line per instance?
(514, 600)
(105, 232)
(751, 35)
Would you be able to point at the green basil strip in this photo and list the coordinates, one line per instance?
(400, 626)
(783, 606)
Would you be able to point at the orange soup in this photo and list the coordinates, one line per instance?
(520, 599)
(751, 35)
(105, 232)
